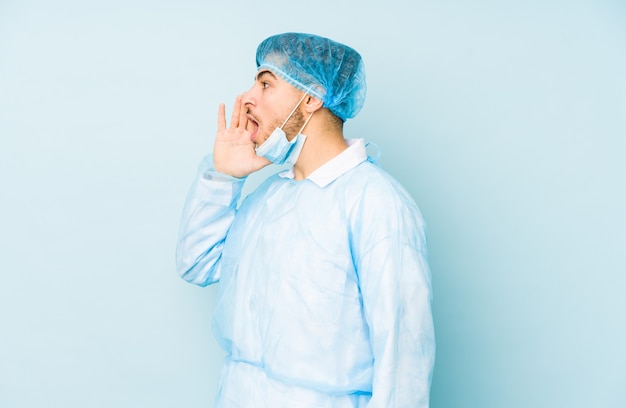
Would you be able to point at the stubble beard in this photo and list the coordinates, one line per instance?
(294, 124)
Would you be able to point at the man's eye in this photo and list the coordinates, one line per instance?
(265, 85)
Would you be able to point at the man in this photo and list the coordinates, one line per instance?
(324, 297)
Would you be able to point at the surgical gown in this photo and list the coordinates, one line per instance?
(325, 292)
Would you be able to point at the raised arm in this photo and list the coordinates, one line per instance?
(209, 211)
(211, 204)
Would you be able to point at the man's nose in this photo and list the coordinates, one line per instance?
(248, 98)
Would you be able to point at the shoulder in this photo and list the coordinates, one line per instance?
(372, 183)
(380, 206)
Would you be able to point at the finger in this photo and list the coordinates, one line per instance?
(221, 117)
(234, 120)
(243, 110)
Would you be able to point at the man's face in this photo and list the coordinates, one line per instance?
(269, 102)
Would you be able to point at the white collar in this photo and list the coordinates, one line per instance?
(330, 171)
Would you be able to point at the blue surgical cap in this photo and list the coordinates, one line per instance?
(327, 70)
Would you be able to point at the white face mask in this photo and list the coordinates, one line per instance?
(278, 149)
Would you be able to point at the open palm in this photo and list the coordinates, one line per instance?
(233, 151)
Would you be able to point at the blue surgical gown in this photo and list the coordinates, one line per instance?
(325, 291)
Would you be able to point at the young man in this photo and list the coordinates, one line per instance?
(324, 297)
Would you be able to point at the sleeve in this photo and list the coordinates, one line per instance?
(395, 283)
(208, 213)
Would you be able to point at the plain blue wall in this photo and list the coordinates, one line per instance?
(505, 120)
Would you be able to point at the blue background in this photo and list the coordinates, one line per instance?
(505, 120)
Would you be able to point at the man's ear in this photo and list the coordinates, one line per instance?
(311, 104)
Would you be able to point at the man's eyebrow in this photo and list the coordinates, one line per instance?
(261, 74)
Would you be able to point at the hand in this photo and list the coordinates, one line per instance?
(234, 153)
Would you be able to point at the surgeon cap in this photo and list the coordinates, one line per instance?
(327, 70)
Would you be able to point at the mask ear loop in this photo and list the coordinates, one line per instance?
(293, 111)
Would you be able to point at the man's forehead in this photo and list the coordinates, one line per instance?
(265, 72)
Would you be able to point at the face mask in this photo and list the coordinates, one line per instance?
(278, 149)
